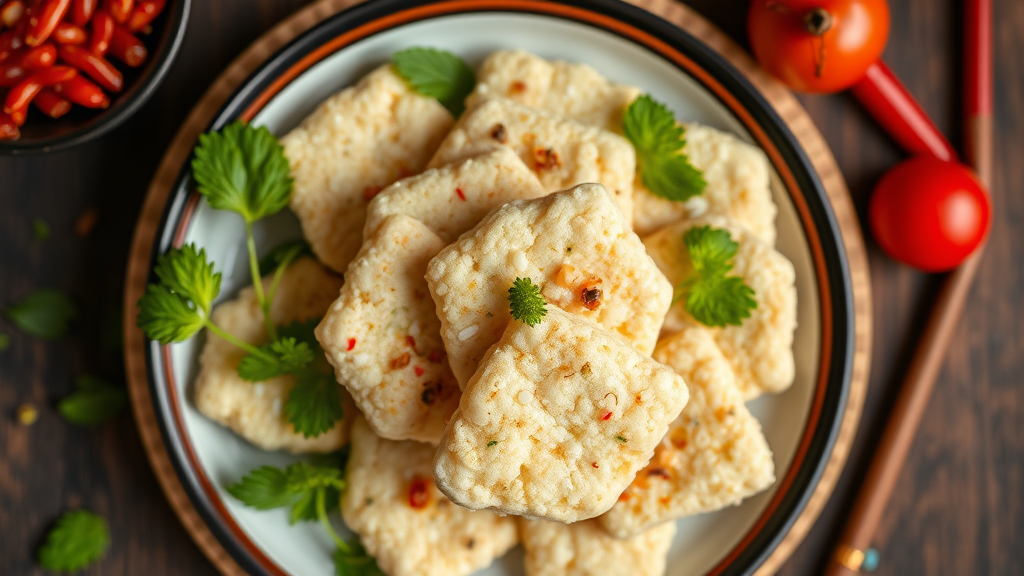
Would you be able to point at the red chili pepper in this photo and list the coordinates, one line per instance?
(50, 103)
(102, 29)
(419, 371)
(8, 128)
(120, 9)
(40, 56)
(82, 11)
(419, 496)
(607, 416)
(145, 12)
(44, 19)
(11, 73)
(351, 344)
(11, 13)
(83, 92)
(126, 47)
(18, 99)
(594, 464)
(97, 68)
(68, 33)
(9, 43)
(459, 192)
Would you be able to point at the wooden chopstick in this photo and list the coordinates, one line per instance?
(930, 352)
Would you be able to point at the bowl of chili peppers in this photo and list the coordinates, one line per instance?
(72, 70)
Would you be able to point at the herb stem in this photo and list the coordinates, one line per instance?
(279, 272)
(257, 282)
(321, 513)
(236, 341)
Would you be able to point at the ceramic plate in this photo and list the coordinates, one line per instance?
(627, 45)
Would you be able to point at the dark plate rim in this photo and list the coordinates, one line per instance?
(754, 112)
(124, 105)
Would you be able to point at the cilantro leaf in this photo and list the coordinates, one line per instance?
(44, 314)
(284, 254)
(283, 356)
(40, 229)
(526, 302)
(665, 169)
(79, 539)
(95, 402)
(710, 296)
(438, 74)
(167, 316)
(314, 404)
(263, 488)
(354, 560)
(243, 169)
(303, 332)
(186, 271)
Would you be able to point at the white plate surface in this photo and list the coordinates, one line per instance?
(302, 550)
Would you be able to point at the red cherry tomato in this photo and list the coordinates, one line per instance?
(929, 213)
(818, 45)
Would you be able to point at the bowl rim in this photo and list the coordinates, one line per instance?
(829, 405)
(126, 104)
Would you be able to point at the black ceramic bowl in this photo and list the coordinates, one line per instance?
(44, 134)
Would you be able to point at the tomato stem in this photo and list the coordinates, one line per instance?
(818, 21)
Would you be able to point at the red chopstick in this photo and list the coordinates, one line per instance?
(853, 548)
(885, 98)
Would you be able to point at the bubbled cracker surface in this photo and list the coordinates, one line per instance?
(738, 187)
(578, 153)
(403, 386)
(439, 539)
(584, 549)
(760, 350)
(573, 90)
(254, 410)
(453, 198)
(714, 454)
(353, 145)
(571, 413)
(563, 242)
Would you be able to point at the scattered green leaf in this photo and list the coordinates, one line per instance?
(492, 443)
(526, 302)
(263, 488)
(283, 255)
(44, 314)
(283, 356)
(438, 74)
(712, 297)
(79, 539)
(166, 316)
(5, 341)
(621, 439)
(243, 169)
(665, 169)
(314, 404)
(185, 271)
(354, 560)
(297, 486)
(40, 229)
(95, 401)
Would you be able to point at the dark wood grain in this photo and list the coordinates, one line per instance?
(958, 509)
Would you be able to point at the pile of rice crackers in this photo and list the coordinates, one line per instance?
(582, 437)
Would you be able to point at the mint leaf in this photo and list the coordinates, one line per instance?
(243, 169)
(438, 74)
(95, 402)
(79, 539)
(44, 314)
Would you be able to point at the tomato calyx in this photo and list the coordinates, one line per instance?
(818, 21)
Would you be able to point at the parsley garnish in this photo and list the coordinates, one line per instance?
(177, 307)
(314, 405)
(438, 74)
(310, 490)
(711, 297)
(40, 229)
(44, 314)
(284, 356)
(621, 439)
(284, 254)
(79, 539)
(526, 302)
(492, 443)
(664, 167)
(243, 169)
(95, 401)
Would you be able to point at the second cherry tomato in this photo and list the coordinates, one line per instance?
(818, 45)
(929, 214)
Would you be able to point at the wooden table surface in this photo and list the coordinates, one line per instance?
(959, 506)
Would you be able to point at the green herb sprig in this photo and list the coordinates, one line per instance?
(94, 401)
(310, 490)
(665, 169)
(78, 539)
(44, 314)
(438, 74)
(526, 302)
(712, 297)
